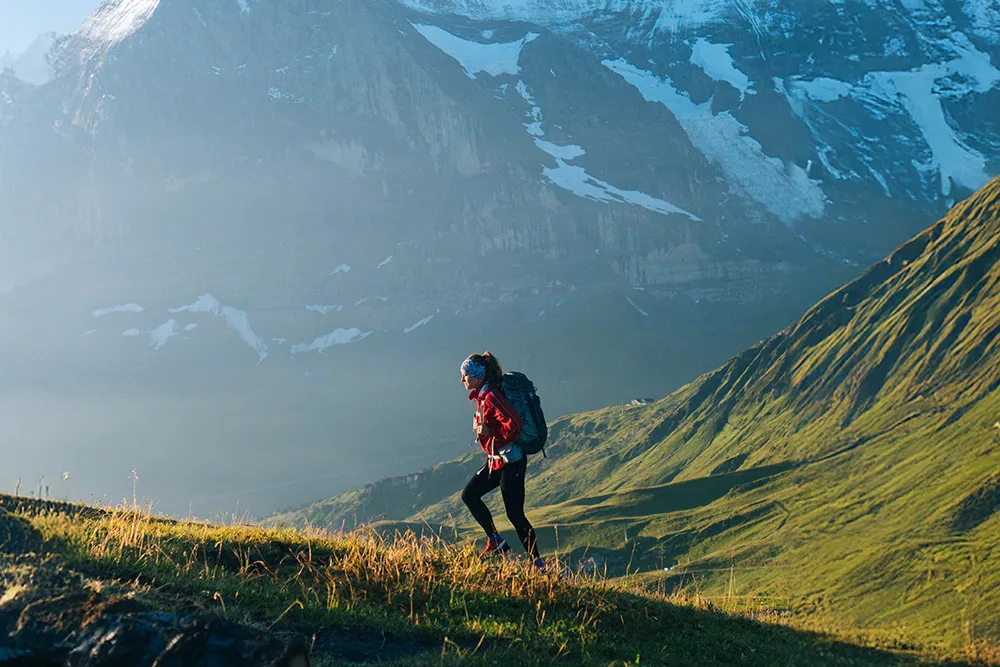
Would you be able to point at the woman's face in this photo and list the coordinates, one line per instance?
(471, 382)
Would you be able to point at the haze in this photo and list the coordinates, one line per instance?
(244, 246)
(21, 21)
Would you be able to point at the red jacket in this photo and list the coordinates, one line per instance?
(502, 420)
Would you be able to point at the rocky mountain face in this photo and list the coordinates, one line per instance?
(232, 224)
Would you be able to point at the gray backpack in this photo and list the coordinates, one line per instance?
(523, 397)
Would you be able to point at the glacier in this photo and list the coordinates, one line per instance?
(784, 189)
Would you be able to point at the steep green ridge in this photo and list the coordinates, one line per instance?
(847, 466)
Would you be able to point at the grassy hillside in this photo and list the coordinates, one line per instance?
(846, 467)
(360, 598)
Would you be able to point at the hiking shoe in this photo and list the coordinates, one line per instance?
(495, 546)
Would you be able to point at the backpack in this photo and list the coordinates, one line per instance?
(522, 396)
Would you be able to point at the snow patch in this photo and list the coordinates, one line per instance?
(337, 337)
(784, 189)
(881, 181)
(919, 92)
(563, 152)
(343, 268)
(643, 312)
(206, 303)
(88, 333)
(117, 20)
(534, 128)
(822, 89)
(366, 299)
(715, 61)
(191, 327)
(131, 332)
(127, 308)
(387, 260)
(579, 182)
(418, 324)
(278, 96)
(323, 309)
(798, 93)
(474, 57)
(575, 179)
(161, 334)
(235, 319)
(522, 89)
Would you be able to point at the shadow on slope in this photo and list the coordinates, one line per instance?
(662, 499)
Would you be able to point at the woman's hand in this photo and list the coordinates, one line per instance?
(479, 426)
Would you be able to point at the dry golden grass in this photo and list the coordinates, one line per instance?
(432, 599)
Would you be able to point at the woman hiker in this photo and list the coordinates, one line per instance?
(497, 426)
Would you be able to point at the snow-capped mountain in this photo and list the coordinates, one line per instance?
(309, 208)
(899, 96)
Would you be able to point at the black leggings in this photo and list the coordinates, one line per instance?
(510, 479)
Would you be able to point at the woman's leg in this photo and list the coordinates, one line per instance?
(512, 488)
(481, 483)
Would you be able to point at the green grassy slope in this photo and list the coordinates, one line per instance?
(358, 598)
(846, 466)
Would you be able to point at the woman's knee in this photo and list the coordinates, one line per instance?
(517, 518)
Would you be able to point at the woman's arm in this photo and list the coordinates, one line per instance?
(508, 422)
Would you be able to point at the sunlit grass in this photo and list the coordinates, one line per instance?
(433, 598)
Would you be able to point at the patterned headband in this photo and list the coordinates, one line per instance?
(474, 369)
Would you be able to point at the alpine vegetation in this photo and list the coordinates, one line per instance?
(842, 471)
